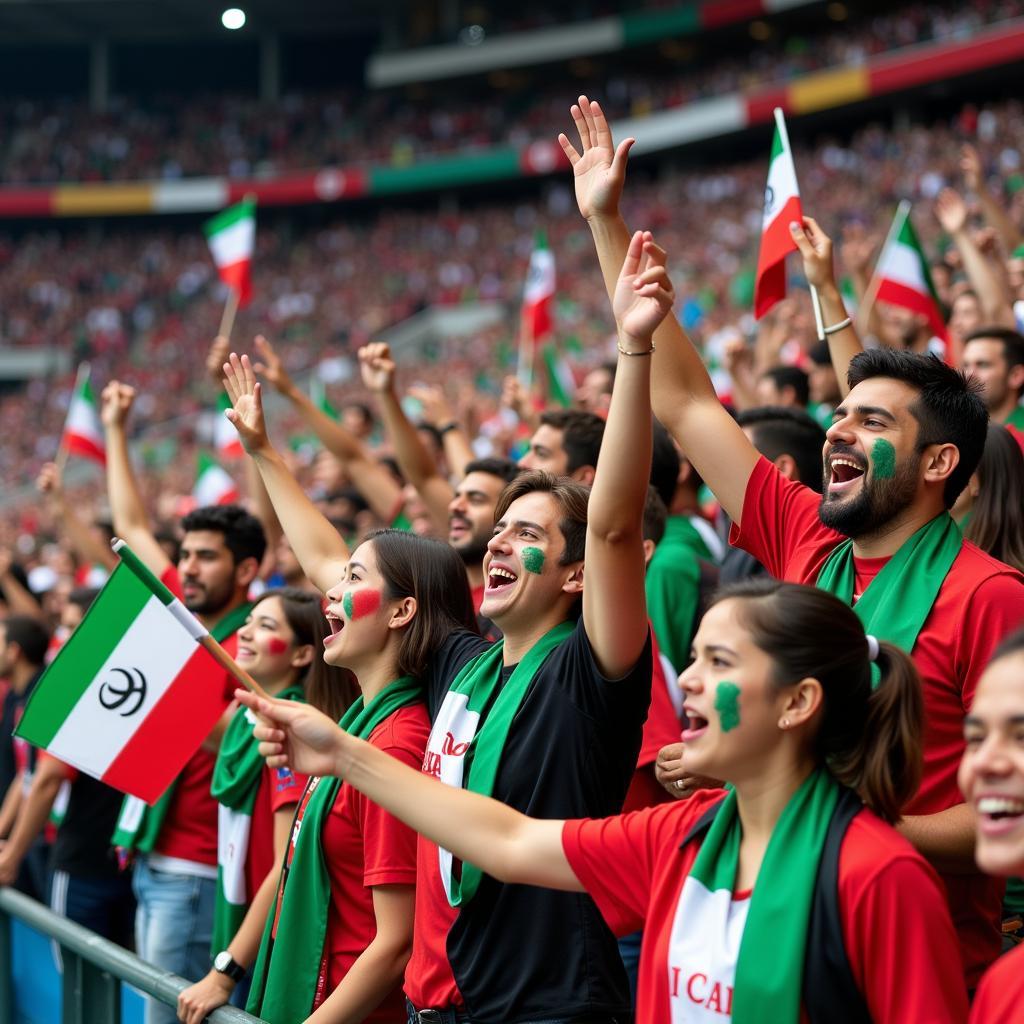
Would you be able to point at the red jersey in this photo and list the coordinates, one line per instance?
(278, 788)
(365, 846)
(1016, 435)
(1000, 996)
(980, 602)
(189, 831)
(896, 930)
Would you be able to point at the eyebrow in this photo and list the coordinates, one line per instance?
(519, 524)
(356, 565)
(1012, 720)
(720, 647)
(865, 410)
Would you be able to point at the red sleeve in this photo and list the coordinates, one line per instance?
(1000, 995)
(780, 526)
(615, 858)
(899, 937)
(995, 610)
(285, 787)
(171, 580)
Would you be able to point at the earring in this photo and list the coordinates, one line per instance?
(785, 723)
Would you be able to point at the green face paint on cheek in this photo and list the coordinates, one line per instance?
(533, 560)
(346, 604)
(883, 458)
(727, 704)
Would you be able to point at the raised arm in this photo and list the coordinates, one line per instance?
(83, 541)
(131, 523)
(682, 394)
(320, 550)
(502, 842)
(438, 412)
(19, 600)
(974, 178)
(415, 462)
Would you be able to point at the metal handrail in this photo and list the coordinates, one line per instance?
(107, 956)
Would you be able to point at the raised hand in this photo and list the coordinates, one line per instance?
(215, 358)
(644, 293)
(271, 367)
(49, 480)
(971, 168)
(514, 396)
(295, 735)
(599, 171)
(437, 410)
(377, 367)
(951, 211)
(117, 400)
(857, 249)
(815, 250)
(738, 357)
(246, 412)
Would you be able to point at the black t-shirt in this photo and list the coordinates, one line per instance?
(10, 715)
(82, 847)
(520, 952)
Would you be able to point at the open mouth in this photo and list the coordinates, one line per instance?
(245, 652)
(457, 528)
(999, 814)
(500, 578)
(844, 472)
(337, 624)
(697, 726)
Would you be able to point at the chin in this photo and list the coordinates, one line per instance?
(1001, 859)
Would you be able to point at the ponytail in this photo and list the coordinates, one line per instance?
(883, 762)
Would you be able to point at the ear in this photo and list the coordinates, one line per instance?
(403, 613)
(940, 461)
(649, 546)
(786, 465)
(1015, 378)
(574, 582)
(801, 702)
(584, 475)
(246, 571)
(303, 656)
(685, 471)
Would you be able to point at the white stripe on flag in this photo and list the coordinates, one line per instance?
(901, 263)
(234, 243)
(83, 421)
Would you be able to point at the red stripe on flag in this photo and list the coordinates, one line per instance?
(776, 244)
(909, 298)
(172, 732)
(238, 276)
(537, 322)
(76, 444)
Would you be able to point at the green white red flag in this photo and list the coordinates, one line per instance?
(539, 294)
(232, 239)
(781, 208)
(83, 431)
(225, 437)
(561, 380)
(214, 485)
(128, 698)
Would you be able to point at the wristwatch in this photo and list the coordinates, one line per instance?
(224, 963)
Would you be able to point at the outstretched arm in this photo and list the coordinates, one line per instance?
(502, 842)
(682, 394)
(131, 523)
(320, 550)
(974, 177)
(438, 412)
(84, 543)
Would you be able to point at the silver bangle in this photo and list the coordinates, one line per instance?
(835, 328)
(626, 352)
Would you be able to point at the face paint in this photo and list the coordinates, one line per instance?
(727, 704)
(360, 603)
(883, 458)
(533, 560)
(276, 645)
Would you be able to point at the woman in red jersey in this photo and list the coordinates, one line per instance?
(788, 896)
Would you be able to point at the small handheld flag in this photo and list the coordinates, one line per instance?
(231, 236)
(536, 320)
(83, 431)
(214, 485)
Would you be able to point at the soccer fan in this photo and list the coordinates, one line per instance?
(994, 356)
(566, 443)
(785, 386)
(781, 704)
(595, 393)
(175, 841)
(901, 447)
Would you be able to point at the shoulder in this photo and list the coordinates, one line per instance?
(404, 731)
(873, 852)
(973, 567)
(1001, 989)
(459, 648)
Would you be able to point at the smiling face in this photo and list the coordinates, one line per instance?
(266, 645)
(872, 468)
(471, 515)
(992, 770)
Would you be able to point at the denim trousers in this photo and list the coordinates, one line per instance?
(173, 927)
(451, 1016)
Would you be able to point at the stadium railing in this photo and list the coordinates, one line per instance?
(94, 969)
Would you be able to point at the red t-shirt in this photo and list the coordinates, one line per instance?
(365, 846)
(1000, 996)
(1016, 435)
(898, 936)
(979, 603)
(278, 788)
(189, 831)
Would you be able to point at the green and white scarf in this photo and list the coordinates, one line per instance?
(899, 599)
(287, 970)
(746, 958)
(138, 825)
(236, 781)
(469, 757)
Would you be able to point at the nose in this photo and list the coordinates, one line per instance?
(689, 681)
(187, 564)
(334, 595)
(991, 758)
(457, 505)
(526, 462)
(498, 544)
(841, 432)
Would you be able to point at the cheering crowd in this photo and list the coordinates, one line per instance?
(709, 713)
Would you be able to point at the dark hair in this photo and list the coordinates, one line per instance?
(665, 464)
(793, 432)
(17, 570)
(243, 533)
(504, 469)
(169, 541)
(83, 597)
(820, 354)
(328, 688)
(364, 410)
(1012, 341)
(1013, 644)
(390, 463)
(430, 571)
(948, 409)
(435, 434)
(790, 377)
(996, 523)
(655, 517)
(30, 635)
(581, 435)
(571, 498)
(869, 739)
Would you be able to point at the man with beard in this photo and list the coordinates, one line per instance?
(994, 357)
(175, 841)
(902, 446)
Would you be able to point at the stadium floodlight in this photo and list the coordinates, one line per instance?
(233, 18)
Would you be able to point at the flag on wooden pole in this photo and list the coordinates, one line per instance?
(536, 320)
(128, 698)
(214, 485)
(781, 208)
(232, 238)
(83, 431)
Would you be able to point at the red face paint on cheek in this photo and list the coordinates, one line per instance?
(276, 645)
(364, 602)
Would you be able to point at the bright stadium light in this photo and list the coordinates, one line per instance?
(233, 18)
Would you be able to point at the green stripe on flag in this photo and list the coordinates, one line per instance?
(142, 573)
(229, 217)
(777, 147)
(908, 236)
(75, 667)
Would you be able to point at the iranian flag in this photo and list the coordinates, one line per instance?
(561, 381)
(83, 431)
(781, 208)
(232, 238)
(214, 485)
(903, 276)
(539, 293)
(128, 699)
(225, 437)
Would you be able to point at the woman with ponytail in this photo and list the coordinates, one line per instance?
(787, 897)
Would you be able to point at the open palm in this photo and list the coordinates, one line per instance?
(599, 171)
(246, 412)
(643, 294)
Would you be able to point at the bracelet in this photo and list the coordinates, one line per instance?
(452, 425)
(835, 328)
(626, 352)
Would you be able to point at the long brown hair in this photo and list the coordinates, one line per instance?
(996, 523)
(327, 688)
(869, 739)
(430, 571)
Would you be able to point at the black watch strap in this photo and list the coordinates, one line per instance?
(225, 964)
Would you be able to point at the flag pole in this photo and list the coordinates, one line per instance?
(227, 320)
(62, 449)
(860, 320)
(526, 354)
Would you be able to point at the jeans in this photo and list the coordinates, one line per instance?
(629, 950)
(451, 1016)
(173, 927)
